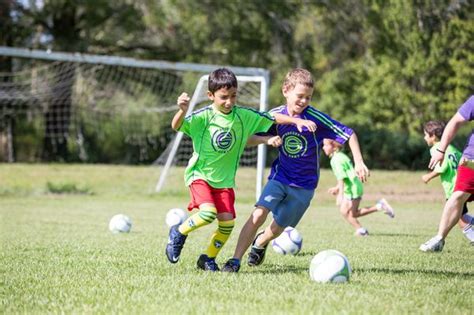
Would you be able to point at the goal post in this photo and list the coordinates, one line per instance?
(83, 108)
(200, 96)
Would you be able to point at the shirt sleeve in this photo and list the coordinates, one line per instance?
(467, 109)
(191, 124)
(257, 122)
(329, 128)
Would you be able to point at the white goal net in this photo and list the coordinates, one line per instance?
(106, 109)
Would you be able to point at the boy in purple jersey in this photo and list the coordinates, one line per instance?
(464, 187)
(295, 173)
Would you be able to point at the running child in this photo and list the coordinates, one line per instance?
(295, 173)
(447, 171)
(349, 189)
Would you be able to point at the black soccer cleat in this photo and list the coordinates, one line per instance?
(207, 264)
(256, 255)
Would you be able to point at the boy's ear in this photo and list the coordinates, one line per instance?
(210, 95)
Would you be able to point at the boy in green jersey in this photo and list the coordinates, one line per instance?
(349, 189)
(447, 171)
(219, 133)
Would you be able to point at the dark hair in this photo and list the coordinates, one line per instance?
(434, 127)
(295, 76)
(221, 78)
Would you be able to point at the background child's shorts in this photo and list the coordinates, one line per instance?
(465, 181)
(222, 198)
(287, 203)
(353, 189)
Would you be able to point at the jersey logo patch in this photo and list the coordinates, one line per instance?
(294, 144)
(223, 140)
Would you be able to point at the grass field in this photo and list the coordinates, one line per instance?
(57, 255)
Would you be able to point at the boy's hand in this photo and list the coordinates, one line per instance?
(362, 171)
(333, 190)
(310, 125)
(436, 158)
(426, 178)
(183, 102)
(274, 141)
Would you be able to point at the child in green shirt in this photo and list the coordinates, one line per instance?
(447, 171)
(349, 189)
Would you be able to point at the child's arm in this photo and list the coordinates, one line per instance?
(274, 141)
(361, 170)
(183, 103)
(448, 134)
(427, 177)
(337, 191)
(300, 123)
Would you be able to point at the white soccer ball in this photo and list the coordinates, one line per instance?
(289, 242)
(175, 216)
(330, 266)
(120, 223)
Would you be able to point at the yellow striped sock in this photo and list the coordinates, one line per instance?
(206, 215)
(220, 237)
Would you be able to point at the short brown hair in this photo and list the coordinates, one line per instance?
(221, 78)
(434, 127)
(298, 75)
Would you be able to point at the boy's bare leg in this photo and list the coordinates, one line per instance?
(249, 230)
(452, 212)
(348, 209)
(271, 232)
(365, 211)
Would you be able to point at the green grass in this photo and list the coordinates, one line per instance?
(57, 255)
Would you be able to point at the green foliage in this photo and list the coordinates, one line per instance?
(388, 65)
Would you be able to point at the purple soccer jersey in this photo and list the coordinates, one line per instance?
(298, 158)
(467, 112)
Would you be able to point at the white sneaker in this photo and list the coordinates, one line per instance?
(383, 204)
(435, 244)
(468, 232)
(361, 232)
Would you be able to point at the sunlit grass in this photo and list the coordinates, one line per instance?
(57, 255)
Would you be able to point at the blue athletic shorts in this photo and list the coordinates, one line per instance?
(287, 203)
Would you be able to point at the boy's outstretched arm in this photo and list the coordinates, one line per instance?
(448, 134)
(274, 141)
(429, 176)
(183, 103)
(300, 123)
(361, 170)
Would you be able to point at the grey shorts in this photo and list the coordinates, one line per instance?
(287, 203)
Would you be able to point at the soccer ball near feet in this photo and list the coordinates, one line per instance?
(289, 242)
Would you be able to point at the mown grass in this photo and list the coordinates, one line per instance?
(57, 255)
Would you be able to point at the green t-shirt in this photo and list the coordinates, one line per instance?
(342, 167)
(448, 170)
(218, 142)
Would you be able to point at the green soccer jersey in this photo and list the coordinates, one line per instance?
(342, 167)
(448, 170)
(218, 142)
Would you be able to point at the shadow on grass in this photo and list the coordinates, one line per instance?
(422, 271)
(273, 269)
(398, 234)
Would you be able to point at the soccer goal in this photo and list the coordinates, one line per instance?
(107, 109)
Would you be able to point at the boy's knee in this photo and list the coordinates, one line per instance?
(259, 215)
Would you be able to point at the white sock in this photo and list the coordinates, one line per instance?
(468, 232)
